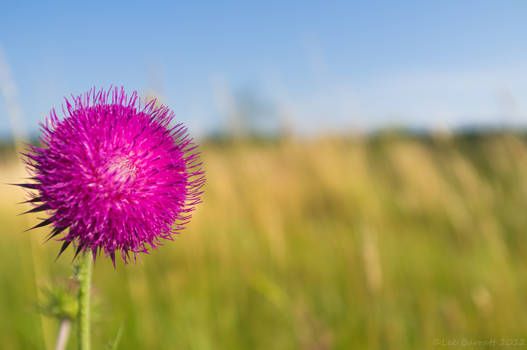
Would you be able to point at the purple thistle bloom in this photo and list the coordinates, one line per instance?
(117, 175)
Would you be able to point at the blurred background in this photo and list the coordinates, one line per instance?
(366, 165)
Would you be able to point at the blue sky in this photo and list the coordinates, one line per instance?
(323, 65)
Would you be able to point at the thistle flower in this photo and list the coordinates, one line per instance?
(117, 175)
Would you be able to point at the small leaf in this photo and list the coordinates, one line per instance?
(115, 343)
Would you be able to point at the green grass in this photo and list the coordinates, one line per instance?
(385, 243)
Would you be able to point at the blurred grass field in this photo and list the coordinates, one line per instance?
(389, 242)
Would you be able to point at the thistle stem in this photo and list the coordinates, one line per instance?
(84, 270)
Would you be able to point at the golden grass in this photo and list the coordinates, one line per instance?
(316, 244)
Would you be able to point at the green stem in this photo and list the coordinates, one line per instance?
(84, 270)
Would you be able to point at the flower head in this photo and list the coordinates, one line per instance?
(117, 175)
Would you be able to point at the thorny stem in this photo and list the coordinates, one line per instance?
(84, 270)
